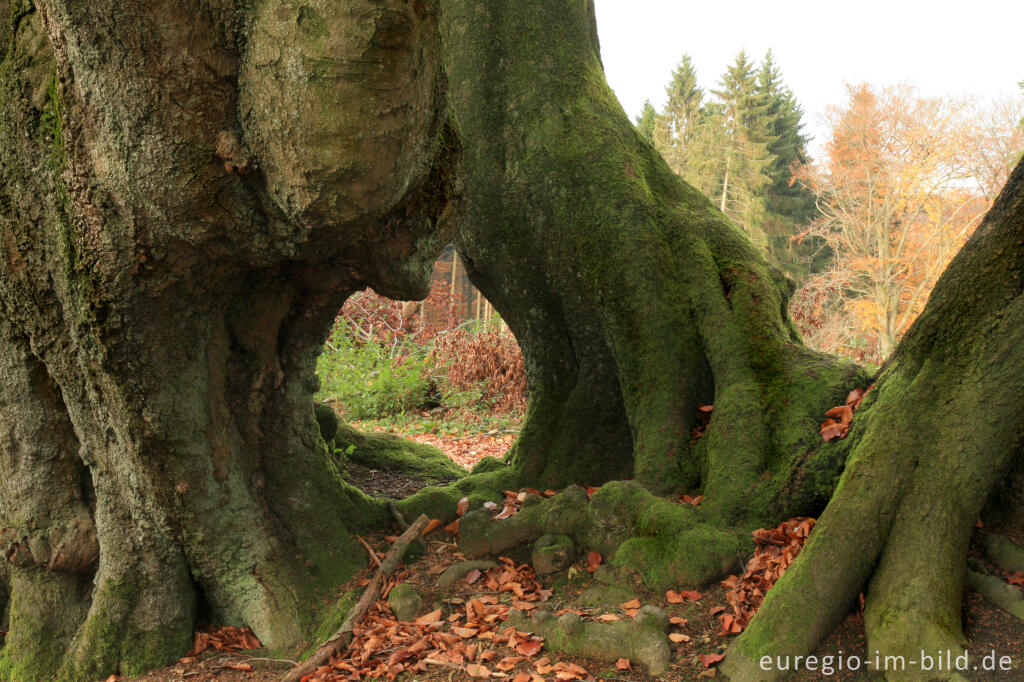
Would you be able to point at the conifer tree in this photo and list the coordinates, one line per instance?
(645, 122)
(746, 152)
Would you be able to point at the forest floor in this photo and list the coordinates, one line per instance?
(460, 636)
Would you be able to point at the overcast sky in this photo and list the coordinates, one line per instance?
(966, 47)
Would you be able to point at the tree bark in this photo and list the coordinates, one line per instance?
(633, 299)
(930, 446)
(188, 192)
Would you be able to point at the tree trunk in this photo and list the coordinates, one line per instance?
(940, 431)
(633, 299)
(188, 192)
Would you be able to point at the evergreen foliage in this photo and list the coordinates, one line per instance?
(739, 147)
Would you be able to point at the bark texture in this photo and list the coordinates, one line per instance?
(939, 434)
(633, 299)
(188, 192)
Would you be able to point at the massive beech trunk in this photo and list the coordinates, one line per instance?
(188, 192)
(633, 299)
(634, 302)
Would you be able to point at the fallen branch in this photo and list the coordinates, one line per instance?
(373, 555)
(343, 636)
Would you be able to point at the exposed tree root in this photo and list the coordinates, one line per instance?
(667, 543)
(385, 450)
(928, 448)
(641, 640)
(341, 638)
(997, 591)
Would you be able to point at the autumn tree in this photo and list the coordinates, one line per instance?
(187, 202)
(906, 180)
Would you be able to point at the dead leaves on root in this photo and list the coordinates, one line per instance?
(223, 638)
(776, 549)
(838, 419)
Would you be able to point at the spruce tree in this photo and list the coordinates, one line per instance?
(789, 204)
(645, 122)
(746, 152)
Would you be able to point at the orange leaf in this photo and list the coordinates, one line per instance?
(707, 660)
(430, 618)
(530, 647)
(674, 597)
(593, 561)
(475, 670)
(608, 617)
(623, 664)
(462, 507)
(1016, 578)
(716, 610)
(245, 667)
(676, 620)
(431, 526)
(679, 637)
(692, 595)
(521, 677)
(631, 604)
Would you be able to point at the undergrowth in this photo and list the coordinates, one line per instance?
(384, 363)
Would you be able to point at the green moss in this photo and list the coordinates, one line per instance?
(440, 502)
(329, 620)
(400, 455)
(111, 641)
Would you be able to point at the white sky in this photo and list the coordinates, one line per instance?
(968, 47)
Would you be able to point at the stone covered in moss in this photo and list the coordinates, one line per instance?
(552, 553)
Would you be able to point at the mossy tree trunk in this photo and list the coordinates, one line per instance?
(188, 192)
(633, 299)
(936, 439)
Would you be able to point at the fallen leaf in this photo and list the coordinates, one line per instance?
(714, 610)
(593, 561)
(692, 595)
(674, 597)
(462, 507)
(676, 620)
(707, 660)
(430, 618)
(431, 526)
(631, 604)
(530, 647)
(244, 667)
(608, 617)
(678, 637)
(623, 664)
(1016, 578)
(476, 670)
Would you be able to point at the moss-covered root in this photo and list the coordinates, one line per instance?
(641, 640)
(393, 453)
(996, 590)
(665, 542)
(46, 609)
(920, 470)
(1004, 553)
(485, 483)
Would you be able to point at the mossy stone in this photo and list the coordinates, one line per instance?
(405, 601)
(553, 553)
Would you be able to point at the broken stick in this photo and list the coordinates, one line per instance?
(343, 636)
